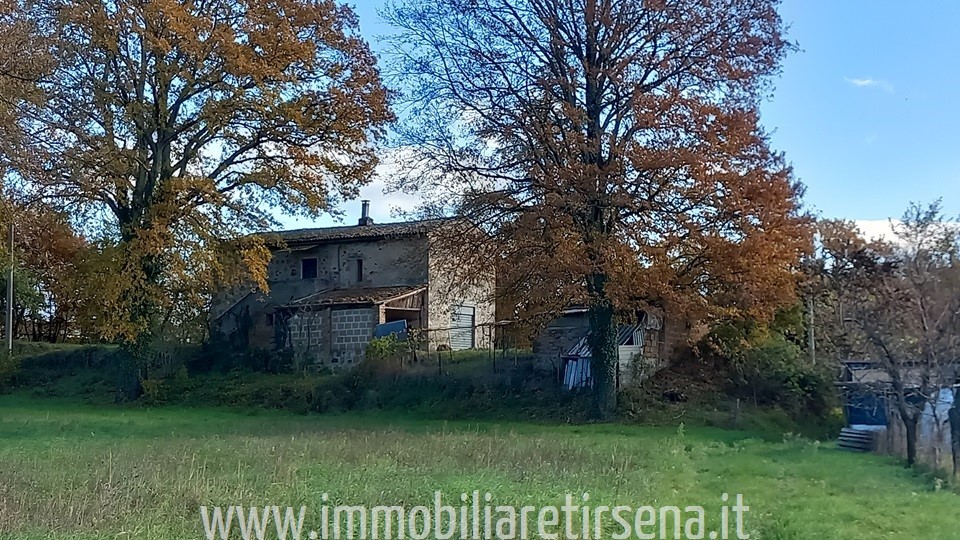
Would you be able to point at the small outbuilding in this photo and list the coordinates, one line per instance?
(564, 349)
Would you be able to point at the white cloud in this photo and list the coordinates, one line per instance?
(385, 206)
(861, 82)
(882, 229)
(868, 82)
(876, 229)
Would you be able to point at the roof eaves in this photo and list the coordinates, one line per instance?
(315, 299)
(233, 305)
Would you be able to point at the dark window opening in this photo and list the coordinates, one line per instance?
(359, 270)
(269, 319)
(308, 268)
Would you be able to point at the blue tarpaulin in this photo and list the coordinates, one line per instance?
(397, 328)
(866, 409)
(576, 373)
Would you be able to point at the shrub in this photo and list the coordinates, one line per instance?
(62, 370)
(203, 376)
(766, 366)
(384, 356)
(221, 356)
(9, 365)
(160, 391)
(774, 372)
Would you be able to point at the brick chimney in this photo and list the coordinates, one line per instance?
(365, 218)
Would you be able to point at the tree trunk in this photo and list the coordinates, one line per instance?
(145, 317)
(954, 416)
(910, 423)
(603, 348)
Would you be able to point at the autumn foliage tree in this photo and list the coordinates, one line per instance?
(610, 149)
(50, 295)
(23, 61)
(173, 125)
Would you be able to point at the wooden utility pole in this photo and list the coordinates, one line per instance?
(10, 295)
(811, 340)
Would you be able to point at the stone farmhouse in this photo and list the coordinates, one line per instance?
(330, 288)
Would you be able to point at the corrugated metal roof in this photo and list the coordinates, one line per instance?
(582, 348)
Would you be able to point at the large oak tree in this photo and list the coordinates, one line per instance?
(176, 124)
(610, 148)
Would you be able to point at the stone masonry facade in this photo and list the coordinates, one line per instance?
(352, 330)
(325, 295)
(331, 337)
(306, 334)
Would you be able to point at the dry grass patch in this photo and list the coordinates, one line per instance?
(135, 473)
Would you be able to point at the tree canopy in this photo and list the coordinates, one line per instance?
(896, 303)
(173, 125)
(52, 297)
(611, 149)
(23, 60)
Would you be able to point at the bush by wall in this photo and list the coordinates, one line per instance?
(772, 372)
(204, 376)
(765, 366)
(85, 372)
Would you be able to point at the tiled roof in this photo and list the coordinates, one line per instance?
(358, 295)
(357, 232)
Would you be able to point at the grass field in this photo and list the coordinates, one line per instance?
(85, 472)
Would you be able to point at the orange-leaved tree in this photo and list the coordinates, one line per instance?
(50, 295)
(23, 61)
(610, 148)
(173, 125)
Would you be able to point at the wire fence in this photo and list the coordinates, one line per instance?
(492, 349)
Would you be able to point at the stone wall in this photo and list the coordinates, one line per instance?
(332, 338)
(677, 336)
(308, 334)
(659, 348)
(557, 338)
(386, 263)
(352, 331)
(250, 316)
(446, 290)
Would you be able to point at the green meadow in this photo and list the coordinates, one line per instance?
(70, 471)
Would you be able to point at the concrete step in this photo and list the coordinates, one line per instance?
(856, 440)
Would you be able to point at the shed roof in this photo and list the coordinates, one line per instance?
(582, 348)
(356, 295)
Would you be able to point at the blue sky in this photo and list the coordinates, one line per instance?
(867, 112)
